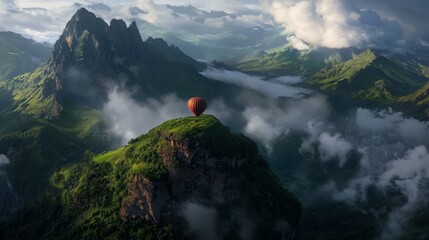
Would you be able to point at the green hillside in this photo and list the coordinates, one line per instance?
(181, 160)
(417, 102)
(36, 146)
(289, 61)
(368, 77)
(20, 55)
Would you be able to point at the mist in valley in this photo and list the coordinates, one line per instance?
(359, 157)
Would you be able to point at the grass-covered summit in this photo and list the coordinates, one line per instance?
(145, 189)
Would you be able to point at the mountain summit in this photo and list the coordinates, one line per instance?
(91, 58)
(189, 177)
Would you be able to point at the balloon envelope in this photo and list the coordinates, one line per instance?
(197, 105)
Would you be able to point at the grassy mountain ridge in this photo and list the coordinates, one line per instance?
(368, 77)
(290, 61)
(417, 101)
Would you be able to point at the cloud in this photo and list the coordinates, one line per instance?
(3, 160)
(414, 165)
(201, 220)
(7, 4)
(412, 15)
(331, 23)
(129, 119)
(226, 5)
(407, 174)
(392, 123)
(394, 161)
(277, 88)
(268, 121)
(334, 146)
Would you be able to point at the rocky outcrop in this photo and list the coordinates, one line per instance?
(146, 200)
(192, 176)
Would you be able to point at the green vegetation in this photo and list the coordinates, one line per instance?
(330, 77)
(19, 55)
(419, 97)
(28, 92)
(287, 62)
(425, 70)
(368, 77)
(91, 192)
(378, 92)
(37, 146)
(417, 103)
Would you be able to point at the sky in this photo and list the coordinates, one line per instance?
(395, 24)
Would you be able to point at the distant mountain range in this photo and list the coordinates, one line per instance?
(229, 43)
(372, 77)
(19, 55)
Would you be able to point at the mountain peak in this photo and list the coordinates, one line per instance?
(83, 11)
(83, 20)
(91, 56)
(83, 14)
(183, 161)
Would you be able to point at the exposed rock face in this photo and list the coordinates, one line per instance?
(85, 57)
(192, 176)
(146, 200)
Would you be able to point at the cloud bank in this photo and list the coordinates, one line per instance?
(279, 87)
(331, 24)
(268, 121)
(393, 162)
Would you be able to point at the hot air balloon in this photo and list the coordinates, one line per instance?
(197, 105)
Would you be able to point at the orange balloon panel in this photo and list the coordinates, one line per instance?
(197, 105)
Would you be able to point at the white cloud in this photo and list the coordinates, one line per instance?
(269, 121)
(276, 88)
(4, 160)
(393, 123)
(407, 173)
(130, 119)
(334, 146)
(330, 23)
